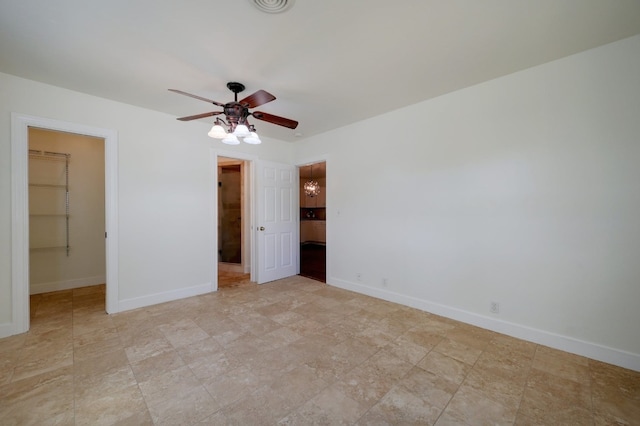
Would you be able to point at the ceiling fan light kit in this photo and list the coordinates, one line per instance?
(237, 114)
(217, 131)
(252, 139)
(231, 139)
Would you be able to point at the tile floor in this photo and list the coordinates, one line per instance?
(291, 352)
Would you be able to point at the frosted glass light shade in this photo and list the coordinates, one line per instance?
(231, 139)
(253, 139)
(217, 132)
(241, 131)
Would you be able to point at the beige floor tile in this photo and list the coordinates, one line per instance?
(12, 344)
(375, 337)
(90, 387)
(616, 408)
(501, 389)
(448, 420)
(43, 357)
(561, 364)
(230, 387)
(544, 404)
(501, 344)
(330, 407)
(184, 408)
(509, 365)
(305, 326)
(435, 390)
(434, 324)
(40, 399)
(474, 407)
(297, 385)
(148, 343)
(371, 380)
(459, 351)
(95, 344)
(293, 351)
(428, 339)
(404, 348)
(102, 363)
(121, 405)
(183, 332)
(157, 365)
(214, 365)
(471, 336)
(260, 407)
(444, 366)
(401, 407)
(169, 385)
(280, 338)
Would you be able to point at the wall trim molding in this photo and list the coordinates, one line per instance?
(37, 288)
(166, 296)
(20, 124)
(328, 222)
(249, 210)
(6, 330)
(564, 343)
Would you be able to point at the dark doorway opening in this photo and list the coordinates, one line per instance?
(313, 261)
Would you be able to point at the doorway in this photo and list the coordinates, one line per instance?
(20, 125)
(234, 244)
(66, 174)
(313, 216)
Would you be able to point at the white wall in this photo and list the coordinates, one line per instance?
(54, 269)
(167, 231)
(524, 190)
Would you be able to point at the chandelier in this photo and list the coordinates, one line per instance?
(311, 187)
(234, 131)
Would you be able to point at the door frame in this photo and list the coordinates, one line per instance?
(248, 180)
(305, 162)
(20, 124)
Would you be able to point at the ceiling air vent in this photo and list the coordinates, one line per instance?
(272, 6)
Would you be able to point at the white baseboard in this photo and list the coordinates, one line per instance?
(167, 296)
(564, 343)
(38, 288)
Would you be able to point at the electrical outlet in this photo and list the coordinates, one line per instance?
(385, 282)
(494, 307)
(358, 276)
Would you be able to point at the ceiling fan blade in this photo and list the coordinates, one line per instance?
(195, 117)
(259, 98)
(196, 96)
(280, 121)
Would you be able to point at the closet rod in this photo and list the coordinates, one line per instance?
(45, 154)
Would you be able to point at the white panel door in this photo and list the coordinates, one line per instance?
(277, 221)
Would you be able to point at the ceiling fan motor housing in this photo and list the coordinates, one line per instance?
(236, 112)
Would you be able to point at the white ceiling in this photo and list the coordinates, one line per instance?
(329, 62)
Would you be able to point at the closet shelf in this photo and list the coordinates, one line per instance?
(50, 248)
(47, 185)
(64, 158)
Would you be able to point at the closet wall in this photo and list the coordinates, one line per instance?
(51, 266)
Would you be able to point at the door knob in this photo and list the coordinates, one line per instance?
(261, 228)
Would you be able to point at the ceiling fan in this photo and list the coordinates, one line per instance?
(237, 114)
